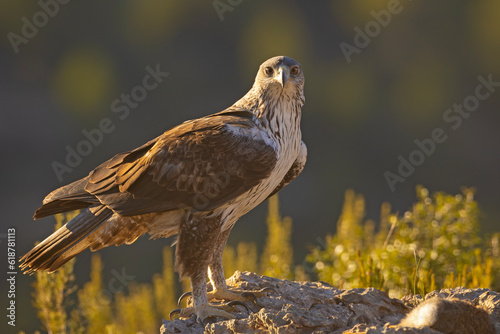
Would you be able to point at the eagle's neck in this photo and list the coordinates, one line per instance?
(278, 113)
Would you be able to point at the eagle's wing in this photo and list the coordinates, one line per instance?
(73, 196)
(295, 170)
(200, 164)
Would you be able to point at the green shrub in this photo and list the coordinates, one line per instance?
(434, 245)
(53, 295)
(277, 257)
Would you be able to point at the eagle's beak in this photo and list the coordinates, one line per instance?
(281, 77)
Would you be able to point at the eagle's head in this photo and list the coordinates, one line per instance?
(278, 86)
(280, 76)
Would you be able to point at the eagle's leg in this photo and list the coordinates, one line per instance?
(198, 235)
(215, 268)
(216, 275)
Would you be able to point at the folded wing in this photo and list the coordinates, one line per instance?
(200, 164)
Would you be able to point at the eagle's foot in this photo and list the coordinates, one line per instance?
(208, 313)
(243, 295)
(233, 294)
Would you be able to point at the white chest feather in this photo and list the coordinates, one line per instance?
(282, 132)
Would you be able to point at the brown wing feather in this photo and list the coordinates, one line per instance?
(199, 164)
(67, 198)
(74, 196)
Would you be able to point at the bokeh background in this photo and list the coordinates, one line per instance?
(358, 117)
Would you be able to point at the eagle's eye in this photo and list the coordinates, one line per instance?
(269, 71)
(295, 70)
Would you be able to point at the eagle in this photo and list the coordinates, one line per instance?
(193, 181)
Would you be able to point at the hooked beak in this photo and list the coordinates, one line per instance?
(282, 78)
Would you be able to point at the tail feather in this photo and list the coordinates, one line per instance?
(65, 243)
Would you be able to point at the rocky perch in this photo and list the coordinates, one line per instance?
(317, 307)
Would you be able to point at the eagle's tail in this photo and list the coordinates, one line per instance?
(65, 243)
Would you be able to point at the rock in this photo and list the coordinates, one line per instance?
(450, 316)
(317, 307)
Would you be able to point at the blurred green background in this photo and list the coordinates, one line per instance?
(358, 117)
